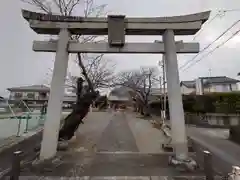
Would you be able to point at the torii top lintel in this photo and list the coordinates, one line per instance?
(51, 24)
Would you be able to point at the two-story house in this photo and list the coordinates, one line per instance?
(209, 84)
(3, 103)
(34, 92)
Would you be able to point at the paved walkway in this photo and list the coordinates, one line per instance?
(148, 139)
(111, 144)
(216, 141)
(117, 136)
(225, 152)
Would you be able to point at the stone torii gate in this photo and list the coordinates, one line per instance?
(116, 27)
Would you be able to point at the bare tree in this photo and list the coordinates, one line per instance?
(100, 72)
(141, 82)
(96, 70)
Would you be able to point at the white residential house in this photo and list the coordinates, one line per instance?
(209, 84)
(34, 92)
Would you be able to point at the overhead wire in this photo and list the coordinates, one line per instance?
(209, 22)
(220, 13)
(213, 50)
(210, 44)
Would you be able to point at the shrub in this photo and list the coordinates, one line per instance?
(209, 103)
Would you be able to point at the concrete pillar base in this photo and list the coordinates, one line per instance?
(235, 175)
(62, 145)
(179, 148)
(188, 164)
(47, 164)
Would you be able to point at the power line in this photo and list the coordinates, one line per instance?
(220, 13)
(209, 21)
(213, 50)
(206, 47)
(230, 10)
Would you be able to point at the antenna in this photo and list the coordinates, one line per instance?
(210, 72)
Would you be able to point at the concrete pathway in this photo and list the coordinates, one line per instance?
(129, 146)
(117, 136)
(148, 139)
(112, 144)
(226, 153)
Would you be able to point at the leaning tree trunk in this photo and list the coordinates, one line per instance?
(71, 122)
(80, 110)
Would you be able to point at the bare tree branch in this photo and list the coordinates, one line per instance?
(140, 81)
(96, 71)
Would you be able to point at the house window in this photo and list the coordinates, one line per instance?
(31, 95)
(42, 95)
(18, 95)
(225, 88)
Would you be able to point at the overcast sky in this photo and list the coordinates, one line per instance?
(19, 65)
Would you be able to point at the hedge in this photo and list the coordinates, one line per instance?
(209, 103)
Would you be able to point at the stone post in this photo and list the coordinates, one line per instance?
(235, 175)
(208, 166)
(54, 109)
(179, 139)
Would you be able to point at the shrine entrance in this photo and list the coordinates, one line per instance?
(116, 27)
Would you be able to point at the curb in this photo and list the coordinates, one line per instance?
(13, 140)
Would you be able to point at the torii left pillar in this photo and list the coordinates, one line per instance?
(54, 109)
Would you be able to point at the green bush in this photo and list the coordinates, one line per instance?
(209, 103)
(213, 103)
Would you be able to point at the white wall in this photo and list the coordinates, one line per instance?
(238, 86)
(24, 95)
(199, 86)
(212, 88)
(186, 90)
(223, 88)
(235, 87)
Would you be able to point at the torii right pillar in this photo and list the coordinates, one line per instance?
(178, 130)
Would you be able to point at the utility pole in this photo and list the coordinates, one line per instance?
(164, 88)
(210, 75)
(160, 86)
(210, 72)
(161, 80)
